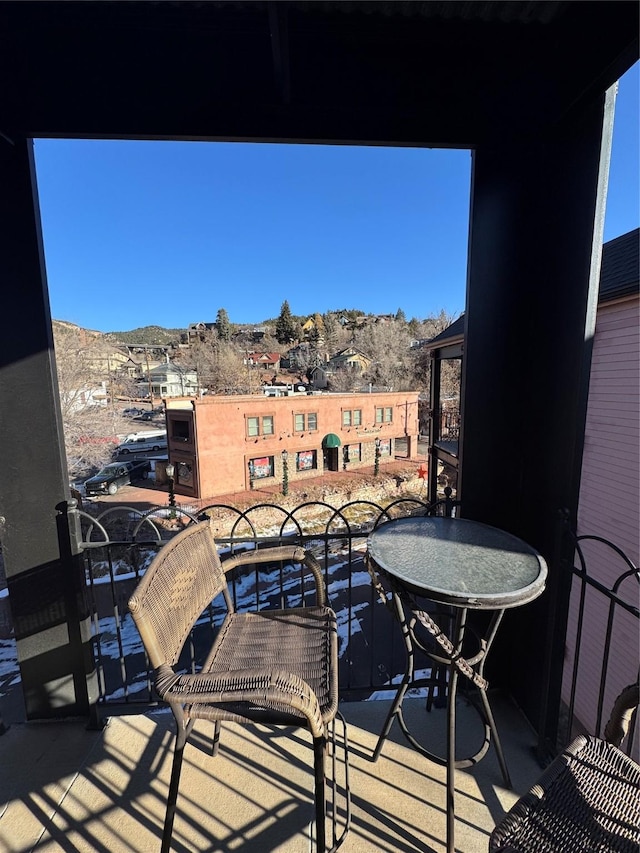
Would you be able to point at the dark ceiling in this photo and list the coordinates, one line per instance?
(425, 73)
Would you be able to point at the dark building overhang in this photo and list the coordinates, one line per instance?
(440, 73)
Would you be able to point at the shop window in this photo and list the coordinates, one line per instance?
(306, 460)
(385, 447)
(184, 474)
(261, 467)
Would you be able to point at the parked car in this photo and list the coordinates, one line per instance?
(115, 475)
(141, 442)
(133, 412)
(145, 416)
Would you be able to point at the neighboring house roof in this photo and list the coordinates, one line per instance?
(452, 333)
(620, 272)
(619, 276)
(271, 358)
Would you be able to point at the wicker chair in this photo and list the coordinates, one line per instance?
(276, 667)
(588, 799)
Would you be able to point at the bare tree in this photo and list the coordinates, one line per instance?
(388, 347)
(90, 420)
(345, 379)
(336, 337)
(220, 365)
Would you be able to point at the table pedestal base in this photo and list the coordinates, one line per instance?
(451, 665)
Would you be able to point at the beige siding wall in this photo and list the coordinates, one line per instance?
(610, 499)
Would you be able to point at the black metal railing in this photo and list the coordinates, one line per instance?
(120, 543)
(449, 424)
(600, 654)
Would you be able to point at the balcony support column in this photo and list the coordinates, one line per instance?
(536, 232)
(39, 536)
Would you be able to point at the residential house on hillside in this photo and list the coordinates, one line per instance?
(172, 380)
(350, 359)
(197, 332)
(308, 326)
(109, 360)
(297, 357)
(78, 399)
(264, 360)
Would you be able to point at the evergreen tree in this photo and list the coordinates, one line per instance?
(415, 328)
(286, 326)
(222, 325)
(400, 316)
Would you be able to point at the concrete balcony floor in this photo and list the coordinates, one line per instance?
(63, 788)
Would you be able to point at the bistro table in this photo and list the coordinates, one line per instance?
(463, 565)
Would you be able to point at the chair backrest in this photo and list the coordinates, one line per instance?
(181, 581)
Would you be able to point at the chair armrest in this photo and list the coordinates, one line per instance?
(294, 553)
(623, 708)
(278, 688)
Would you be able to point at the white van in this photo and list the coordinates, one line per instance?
(139, 442)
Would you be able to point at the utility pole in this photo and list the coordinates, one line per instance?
(146, 355)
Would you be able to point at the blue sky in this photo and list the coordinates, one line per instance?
(166, 233)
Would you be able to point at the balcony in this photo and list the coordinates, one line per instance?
(73, 789)
(103, 787)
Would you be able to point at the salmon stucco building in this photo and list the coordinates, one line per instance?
(224, 444)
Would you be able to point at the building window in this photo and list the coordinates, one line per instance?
(184, 474)
(384, 414)
(305, 422)
(351, 417)
(354, 452)
(261, 467)
(180, 430)
(260, 426)
(385, 447)
(306, 460)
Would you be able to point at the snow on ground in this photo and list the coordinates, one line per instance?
(121, 638)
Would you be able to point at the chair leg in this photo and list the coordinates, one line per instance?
(216, 738)
(172, 797)
(319, 745)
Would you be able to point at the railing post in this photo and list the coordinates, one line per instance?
(78, 611)
(553, 665)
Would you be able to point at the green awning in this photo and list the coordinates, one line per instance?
(331, 440)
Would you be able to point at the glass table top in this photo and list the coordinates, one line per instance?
(459, 561)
